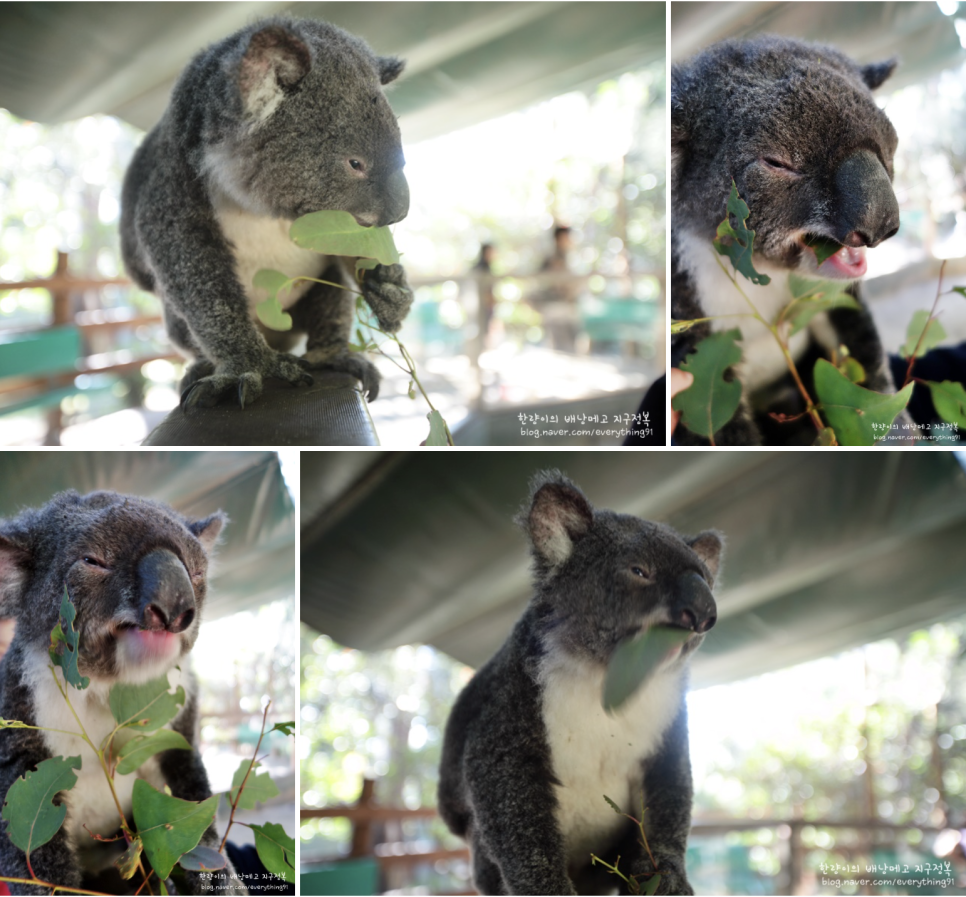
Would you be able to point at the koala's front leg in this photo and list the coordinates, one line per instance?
(328, 315)
(668, 794)
(194, 274)
(513, 809)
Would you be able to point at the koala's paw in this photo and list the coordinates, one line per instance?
(246, 385)
(347, 362)
(674, 879)
(388, 295)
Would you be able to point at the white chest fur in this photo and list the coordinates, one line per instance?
(763, 361)
(260, 242)
(90, 802)
(594, 753)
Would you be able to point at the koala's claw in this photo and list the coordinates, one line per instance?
(388, 295)
(208, 391)
(349, 363)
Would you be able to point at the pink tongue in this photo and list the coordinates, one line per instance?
(849, 261)
(154, 639)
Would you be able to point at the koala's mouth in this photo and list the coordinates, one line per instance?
(833, 260)
(143, 646)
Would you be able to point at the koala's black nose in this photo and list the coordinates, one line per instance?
(692, 606)
(166, 598)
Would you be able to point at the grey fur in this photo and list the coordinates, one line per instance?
(796, 127)
(126, 561)
(502, 787)
(282, 118)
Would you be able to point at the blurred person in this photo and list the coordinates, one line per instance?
(558, 296)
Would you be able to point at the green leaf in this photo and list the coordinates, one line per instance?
(653, 883)
(168, 826)
(824, 248)
(738, 243)
(270, 312)
(852, 369)
(810, 298)
(148, 705)
(139, 749)
(127, 862)
(202, 859)
(950, 401)
(960, 290)
(412, 390)
(710, 401)
(363, 265)
(635, 659)
(63, 644)
(284, 728)
(826, 437)
(682, 326)
(258, 789)
(613, 806)
(859, 416)
(338, 233)
(32, 818)
(934, 335)
(438, 431)
(276, 850)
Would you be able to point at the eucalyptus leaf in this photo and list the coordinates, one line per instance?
(148, 705)
(338, 233)
(270, 311)
(32, 817)
(258, 789)
(275, 849)
(738, 242)
(636, 659)
(127, 862)
(949, 399)
(438, 431)
(285, 728)
(653, 883)
(710, 401)
(823, 247)
(826, 437)
(682, 326)
(928, 329)
(64, 642)
(858, 416)
(812, 297)
(202, 859)
(139, 749)
(168, 826)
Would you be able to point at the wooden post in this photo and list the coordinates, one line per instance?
(60, 314)
(362, 828)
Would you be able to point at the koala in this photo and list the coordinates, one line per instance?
(283, 118)
(529, 752)
(796, 127)
(136, 573)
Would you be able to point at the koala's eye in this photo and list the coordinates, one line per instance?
(92, 561)
(357, 165)
(642, 572)
(779, 165)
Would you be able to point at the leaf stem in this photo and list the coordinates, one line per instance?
(929, 320)
(241, 787)
(39, 882)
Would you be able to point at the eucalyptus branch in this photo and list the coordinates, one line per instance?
(929, 320)
(241, 787)
(40, 883)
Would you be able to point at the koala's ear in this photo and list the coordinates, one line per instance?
(275, 61)
(14, 564)
(876, 73)
(390, 68)
(559, 515)
(709, 546)
(208, 530)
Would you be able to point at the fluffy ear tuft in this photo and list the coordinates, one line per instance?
(275, 61)
(390, 68)
(558, 516)
(875, 73)
(14, 566)
(709, 546)
(208, 530)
